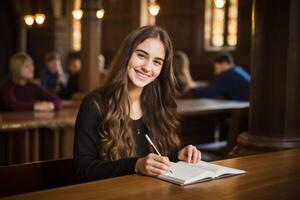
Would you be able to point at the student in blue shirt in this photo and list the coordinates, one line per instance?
(53, 77)
(232, 81)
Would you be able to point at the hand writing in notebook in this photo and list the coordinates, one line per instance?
(152, 165)
(189, 154)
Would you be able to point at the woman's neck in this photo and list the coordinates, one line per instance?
(22, 82)
(135, 102)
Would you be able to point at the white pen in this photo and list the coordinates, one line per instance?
(151, 143)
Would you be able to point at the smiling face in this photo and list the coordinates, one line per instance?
(146, 62)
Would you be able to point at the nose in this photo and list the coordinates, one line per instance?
(147, 66)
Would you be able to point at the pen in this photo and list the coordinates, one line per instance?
(151, 143)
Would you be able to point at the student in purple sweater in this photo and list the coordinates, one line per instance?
(19, 93)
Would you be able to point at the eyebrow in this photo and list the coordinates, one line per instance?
(145, 52)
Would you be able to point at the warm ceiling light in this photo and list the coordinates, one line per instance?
(40, 18)
(219, 3)
(154, 9)
(100, 13)
(77, 14)
(29, 20)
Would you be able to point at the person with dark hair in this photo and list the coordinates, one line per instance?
(20, 93)
(232, 81)
(72, 87)
(137, 99)
(53, 77)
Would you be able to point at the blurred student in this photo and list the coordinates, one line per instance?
(53, 77)
(19, 93)
(232, 82)
(137, 100)
(72, 87)
(182, 71)
(102, 71)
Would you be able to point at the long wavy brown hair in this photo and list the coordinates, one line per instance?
(157, 102)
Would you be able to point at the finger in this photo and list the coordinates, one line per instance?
(199, 156)
(190, 152)
(195, 155)
(162, 159)
(153, 171)
(159, 165)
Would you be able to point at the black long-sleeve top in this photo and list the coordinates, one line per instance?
(88, 166)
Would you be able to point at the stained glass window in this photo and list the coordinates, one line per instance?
(221, 24)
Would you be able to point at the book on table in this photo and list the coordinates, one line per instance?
(183, 173)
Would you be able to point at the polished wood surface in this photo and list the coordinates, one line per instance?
(66, 117)
(187, 107)
(34, 136)
(269, 176)
(10, 121)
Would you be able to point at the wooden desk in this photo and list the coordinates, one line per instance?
(34, 136)
(269, 176)
(21, 132)
(25, 120)
(188, 107)
(201, 119)
(10, 121)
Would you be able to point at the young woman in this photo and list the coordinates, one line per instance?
(19, 93)
(137, 99)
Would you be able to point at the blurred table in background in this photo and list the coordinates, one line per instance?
(33, 136)
(201, 120)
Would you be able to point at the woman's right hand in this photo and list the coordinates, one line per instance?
(43, 106)
(152, 165)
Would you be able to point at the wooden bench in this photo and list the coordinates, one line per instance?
(29, 177)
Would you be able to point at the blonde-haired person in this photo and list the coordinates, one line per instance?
(137, 99)
(20, 93)
(182, 72)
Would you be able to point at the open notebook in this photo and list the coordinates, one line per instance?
(184, 173)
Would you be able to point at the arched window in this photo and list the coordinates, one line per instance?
(221, 24)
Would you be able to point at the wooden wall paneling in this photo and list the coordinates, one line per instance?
(66, 142)
(35, 145)
(3, 150)
(121, 17)
(184, 20)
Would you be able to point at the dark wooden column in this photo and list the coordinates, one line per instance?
(90, 45)
(275, 85)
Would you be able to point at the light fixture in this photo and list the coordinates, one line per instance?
(219, 3)
(77, 14)
(100, 13)
(29, 20)
(40, 18)
(154, 8)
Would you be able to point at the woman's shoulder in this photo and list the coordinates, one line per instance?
(94, 100)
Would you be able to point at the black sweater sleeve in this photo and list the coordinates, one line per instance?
(87, 164)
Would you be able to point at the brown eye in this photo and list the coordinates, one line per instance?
(157, 62)
(140, 55)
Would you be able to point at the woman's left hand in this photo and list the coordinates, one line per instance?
(189, 154)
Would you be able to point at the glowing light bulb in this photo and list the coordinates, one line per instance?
(100, 13)
(29, 20)
(77, 14)
(219, 3)
(40, 18)
(154, 9)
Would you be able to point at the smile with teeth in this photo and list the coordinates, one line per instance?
(141, 74)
